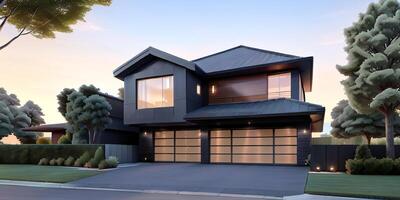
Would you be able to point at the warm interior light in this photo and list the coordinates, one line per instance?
(198, 89)
(213, 89)
(145, 133)
(332, 169)
(318, 168)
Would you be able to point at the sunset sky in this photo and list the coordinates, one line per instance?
(38, 69)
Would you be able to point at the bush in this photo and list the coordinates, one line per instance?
(386, 166)
(363, 152)
(354, 166)
(69, 161)
(99, 154)
(60, 161)
(111, 162)
(64, 139)
(396, 166)
(371, 166)
(44, 161)
(32, 153)
(92, 163)
(81, 161)
(43, 140)
(52, 162)
(103, 164)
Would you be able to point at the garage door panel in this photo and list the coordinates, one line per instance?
(252, 141)
(164, 150)
(221, 141)
(286, 159)
(164, 157)
(253, 133)
(164, 142)
(221, 133)
(187, 150)
(187, 134)
(187, 157)
(286, 149)
(164, 134)
(220, 149)
(286, 141)
(252, 159)
(220, 158)
(252, 150)
(187, 142)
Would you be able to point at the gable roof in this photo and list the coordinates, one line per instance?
(260, 109)
(146, 56)
(239, 57)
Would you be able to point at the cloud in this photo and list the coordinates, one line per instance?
(87, 26)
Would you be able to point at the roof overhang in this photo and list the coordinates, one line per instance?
(147, 56)
(304, 65)
(47, 128)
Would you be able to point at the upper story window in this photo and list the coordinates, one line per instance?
(279, 86)
(155, 92)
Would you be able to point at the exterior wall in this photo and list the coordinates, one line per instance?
(55, 135)
(156, 115)
(303, 144)
(195, 100)
(117, 137)
(124, 153)
(295, 86)
(146, 147)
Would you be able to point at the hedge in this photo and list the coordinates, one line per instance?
(32, 153)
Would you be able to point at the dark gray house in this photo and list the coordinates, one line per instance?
(241, 105)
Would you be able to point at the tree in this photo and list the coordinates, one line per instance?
(348, 123)
(34, 112)
(42, 19)
(8, 99)
(121, 93)
(373, 68)
(95, 115)
(63, 100)
(6, 118)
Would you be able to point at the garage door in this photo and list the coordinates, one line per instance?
(177, 146)
(266, 146)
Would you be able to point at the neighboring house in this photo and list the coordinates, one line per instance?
(241, 105)
(114, 133)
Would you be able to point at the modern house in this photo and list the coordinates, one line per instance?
(241, 105)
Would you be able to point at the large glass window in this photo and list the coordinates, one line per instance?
(155, 92)
(279, 86)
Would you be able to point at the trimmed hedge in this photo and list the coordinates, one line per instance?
(373, 166)
(32, 153)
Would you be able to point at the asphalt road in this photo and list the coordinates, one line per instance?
(36, 193)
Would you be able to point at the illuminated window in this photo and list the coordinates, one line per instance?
(198, 89)
(155, 92)
(279, 86)
(213, 89)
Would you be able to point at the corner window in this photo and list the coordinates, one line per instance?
(279, 86)
(198, 89)
(155, 92)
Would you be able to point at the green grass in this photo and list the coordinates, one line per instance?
(369, 186)
(55, 174)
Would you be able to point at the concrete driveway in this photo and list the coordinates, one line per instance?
(232, 179)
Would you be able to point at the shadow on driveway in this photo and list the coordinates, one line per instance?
(233, 179)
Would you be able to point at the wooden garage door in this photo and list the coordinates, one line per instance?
(266, 146)
(177, 146)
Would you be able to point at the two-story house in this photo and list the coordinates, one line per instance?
(241, 105)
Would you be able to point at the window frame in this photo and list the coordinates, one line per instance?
(290, 85)
(155, 77)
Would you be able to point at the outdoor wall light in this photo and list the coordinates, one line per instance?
(332, 169)
(145, 133)
(305, 131)
(318, 168)
(145, 158)
(249, 122)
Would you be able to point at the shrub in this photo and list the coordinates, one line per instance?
(103, 164)
(32, 153)
(99, 154)
(386, 166)
(112, 162)
(60, 161)
(363, 152)
(92, 163)
(64, 139)
(44, 161)
(371, 166)
(52, 162)
(43, 140)
(81, 161)
(69, 161)
(354, 166)
(396, 166)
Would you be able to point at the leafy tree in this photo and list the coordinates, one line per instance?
(8, 99)
(6, 118)
(43, 18)
(63, 100)
(121, 93)
(88, 90)
(348, 123)
(95, 115)
(373, 68)
(34, 112)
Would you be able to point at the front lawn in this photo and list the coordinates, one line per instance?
(55, 174)
(372, 186)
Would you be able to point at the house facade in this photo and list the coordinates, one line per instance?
(241, 105)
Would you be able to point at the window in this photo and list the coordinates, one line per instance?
(155, 92)
(279, 86)
(198, 89)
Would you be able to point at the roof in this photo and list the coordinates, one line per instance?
(239, 57)
(260, 109)
(47, 127)
(146, 56)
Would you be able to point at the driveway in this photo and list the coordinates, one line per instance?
(232, 179)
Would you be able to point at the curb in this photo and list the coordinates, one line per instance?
(66, 186)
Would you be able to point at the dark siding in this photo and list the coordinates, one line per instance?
(146, 147)
(194, 100)
(157, 115)
(117, 137)
(205, 146)
(295, 87)
(303, 144)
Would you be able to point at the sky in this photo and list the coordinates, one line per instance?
(38, 69)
